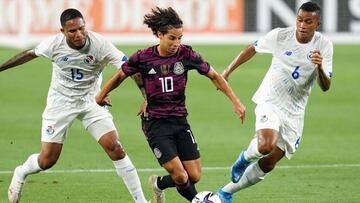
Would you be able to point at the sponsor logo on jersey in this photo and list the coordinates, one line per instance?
(152, 72)
(65, 58)
(89, 59)
(288, 53)
(157, 152)
(165, 69)
(179, 68)
(50, 130)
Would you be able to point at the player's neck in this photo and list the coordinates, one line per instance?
(304, 40)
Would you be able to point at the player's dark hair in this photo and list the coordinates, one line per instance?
(69, 14)
(162, 20)
(310, 7)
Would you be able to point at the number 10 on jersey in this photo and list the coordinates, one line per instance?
(167, 84)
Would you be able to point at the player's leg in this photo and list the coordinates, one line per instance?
(105, 133)
(35, 163)
(267, 128)
(55, 123)
(179, 175)
(189, 154)
(253, 174)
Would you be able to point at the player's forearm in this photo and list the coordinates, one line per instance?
(138, 80)
(244, 56)
(110, 85)
(322, 79)
(19, 59)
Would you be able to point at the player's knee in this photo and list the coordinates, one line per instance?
(115, 152)
(195, 177)
(180, 177)
(266, 148)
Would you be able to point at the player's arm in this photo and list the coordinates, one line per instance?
(19, 59)
(139, 82)
(322, 79)
(243, 56)
(114, 82)
(222, 85)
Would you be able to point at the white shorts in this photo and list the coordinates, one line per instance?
(290, 128)
(60, 113)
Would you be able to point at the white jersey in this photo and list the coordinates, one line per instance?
(77, 73)
(287, 84)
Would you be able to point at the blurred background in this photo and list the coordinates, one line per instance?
(25, 22)
(324, 169)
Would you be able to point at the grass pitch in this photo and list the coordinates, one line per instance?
(325, 169)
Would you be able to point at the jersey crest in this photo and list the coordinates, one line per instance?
(178, 68)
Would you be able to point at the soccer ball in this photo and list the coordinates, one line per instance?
(206, 197)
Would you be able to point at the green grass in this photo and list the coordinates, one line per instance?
(330, 135)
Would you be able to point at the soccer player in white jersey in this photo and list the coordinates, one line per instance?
(300, 56)
(78, 57)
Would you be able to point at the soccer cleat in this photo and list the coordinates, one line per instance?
(16, 185)
(225, 197)
(238, 168)
(158, 195)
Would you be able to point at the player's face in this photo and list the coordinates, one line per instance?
(306, 25)
(170, 42)
(75, 33)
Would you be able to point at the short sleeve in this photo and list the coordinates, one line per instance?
(113, 55)
(267, 43)
(197, 62)
(327, 54)
(130, 66)
(45, 48)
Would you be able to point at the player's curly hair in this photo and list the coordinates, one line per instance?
(162, 20)
(69, 14)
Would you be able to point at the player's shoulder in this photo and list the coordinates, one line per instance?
(96, 37)
(285, 34)
(323, 40)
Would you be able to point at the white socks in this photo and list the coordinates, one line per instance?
(126, 170)
(30, 166)
(252, 153)
(252, 175)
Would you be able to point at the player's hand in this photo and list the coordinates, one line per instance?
(316, 58)
(103, 101)
(142, 109)
(240, 110)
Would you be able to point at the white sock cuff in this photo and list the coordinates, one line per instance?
(33, 160)
(252, 152)
(259, 171)
(123, 163)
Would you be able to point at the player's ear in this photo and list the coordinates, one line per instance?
(159, 34)
(62, 30)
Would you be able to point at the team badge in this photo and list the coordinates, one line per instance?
(50, 130)
(165, 69)
(157, 152)
(89, 59)
(178, 68)
(309, 56)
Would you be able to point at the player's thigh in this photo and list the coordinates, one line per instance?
(161, 137)
(290, 135)
(193, 168)
(56, 120)
(267, 117)
(188, 148)
(98, 121)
